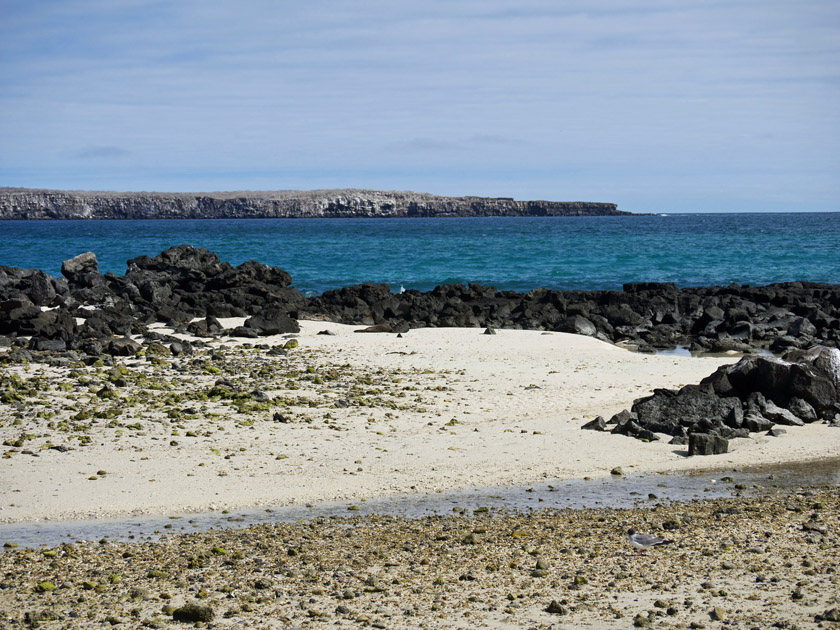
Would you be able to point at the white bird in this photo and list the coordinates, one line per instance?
(645, 541)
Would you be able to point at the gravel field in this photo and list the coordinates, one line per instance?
(735, 563)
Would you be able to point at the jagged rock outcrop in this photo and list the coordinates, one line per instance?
(648, 316)
(184, 283)
(22, 203)
(753, 395)
(94, 313)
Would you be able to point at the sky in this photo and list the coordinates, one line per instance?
(658, 106)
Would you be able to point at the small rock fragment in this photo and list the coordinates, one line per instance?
(598, 424)
(556, 608)
(193, 612)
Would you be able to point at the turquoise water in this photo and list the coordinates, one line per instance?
(511, 253)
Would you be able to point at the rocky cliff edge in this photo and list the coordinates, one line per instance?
(23, 203)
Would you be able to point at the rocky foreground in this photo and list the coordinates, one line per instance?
(23, 203)
(734, 563)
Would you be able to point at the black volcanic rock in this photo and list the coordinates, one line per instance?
(691, 409)
(598, 424)
(706, 444)
(752, 395)
(184, 283)
(272, 321)
(195, 283)
(78, 270)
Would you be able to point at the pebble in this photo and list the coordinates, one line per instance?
(401, 573)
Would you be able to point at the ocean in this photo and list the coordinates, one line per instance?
(510, 253)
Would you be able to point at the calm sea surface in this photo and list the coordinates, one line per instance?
(510, 253)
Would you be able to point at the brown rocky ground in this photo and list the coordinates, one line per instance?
(743, 562)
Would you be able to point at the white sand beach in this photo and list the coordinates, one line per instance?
(361, 416)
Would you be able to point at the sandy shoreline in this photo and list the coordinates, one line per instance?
(343, 416)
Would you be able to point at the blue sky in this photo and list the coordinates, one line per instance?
(692, 106)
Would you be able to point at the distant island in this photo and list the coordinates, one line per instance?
(34, 204)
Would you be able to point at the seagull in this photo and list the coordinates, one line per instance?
(643, 541)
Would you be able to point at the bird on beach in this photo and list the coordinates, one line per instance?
(645, 541)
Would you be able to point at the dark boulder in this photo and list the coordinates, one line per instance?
(735, 418)
(272, 320)
(172, 315)
(180, 347)
(244, 332)
(91, 347)
(779, 415)
(155, 292)
(622, 315)
(754, 374)
(123, 347)
(47, 345)
(193, 612)
(755, 422)
(802, 327)
(691, 408)
(250, 273)
(629, 428)
(199, 328)
(182, 258)
(784, 343)
(826, 361)
(753, 395)
(207, 327)
(16, 313)
(123, 288)
(730, 434)
(706, 444)
(777, 380)
(55, 324)
(96, 326)
(709, 321)
(622, 416)
(81, 270)
(400, 326)
(41, 289)
(813, 385)
(802, 410)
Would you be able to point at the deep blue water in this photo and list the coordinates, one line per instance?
(510, 253)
